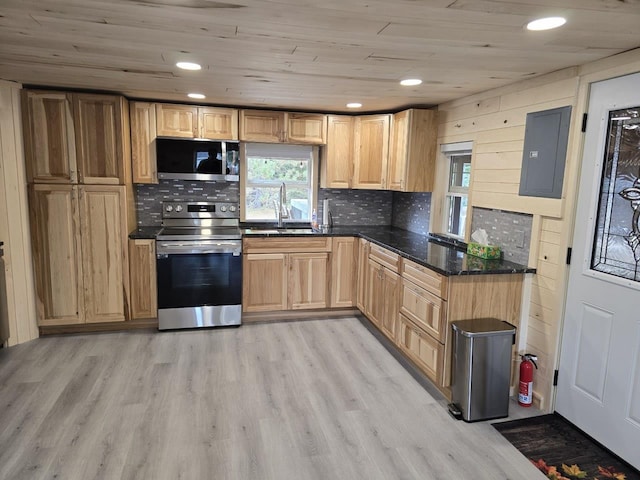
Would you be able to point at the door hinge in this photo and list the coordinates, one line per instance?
(569, 256)
(555, 378)
(584, 122)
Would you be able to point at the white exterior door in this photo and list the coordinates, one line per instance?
(599, 377)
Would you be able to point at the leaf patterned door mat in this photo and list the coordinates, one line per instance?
(563, 452)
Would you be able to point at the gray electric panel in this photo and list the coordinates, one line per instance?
(545, 151)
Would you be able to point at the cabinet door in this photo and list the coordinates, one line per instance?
(218, 123)
(371, 152)
(337, 156)
(142, 269)
(264, 282)
(177, 120)
(375, 292)
(55, 234)
(363, 267)
(343, 272)
(396, 171)
(262, 126)
(391, 296)
(424, 308)
(308, 286)
(143, 142)
(49, 140)
(306, 128)
(99, 138)
(104, 252)
(420, 347)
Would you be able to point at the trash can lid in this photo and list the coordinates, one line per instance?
(483, 327)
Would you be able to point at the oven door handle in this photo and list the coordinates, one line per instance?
(185, 249)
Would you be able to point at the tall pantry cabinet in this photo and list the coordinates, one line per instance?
(81, 207)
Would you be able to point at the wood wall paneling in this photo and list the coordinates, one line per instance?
(14, 220)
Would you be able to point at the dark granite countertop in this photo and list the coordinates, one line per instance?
(422, 249)
(142, 233)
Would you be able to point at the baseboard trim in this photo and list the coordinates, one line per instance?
(296, 315)
(99, 327)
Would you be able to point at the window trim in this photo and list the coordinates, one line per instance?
(447, 151)
(314, 169)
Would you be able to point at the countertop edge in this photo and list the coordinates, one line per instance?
(149, 233)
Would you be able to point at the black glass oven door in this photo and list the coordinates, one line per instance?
(199, 279)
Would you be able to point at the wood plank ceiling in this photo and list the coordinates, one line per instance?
(303, 54)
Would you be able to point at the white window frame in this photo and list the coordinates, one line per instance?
(451, 150)
(245, 183)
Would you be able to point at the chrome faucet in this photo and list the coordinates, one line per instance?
(282, 211)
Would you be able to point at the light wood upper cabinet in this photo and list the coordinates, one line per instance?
(371, 152)
(262, 126)
(412, 151)
(55, 240)
(76, 138)
(190, 121)
(337, 155)
(49, 140)
(104, 252)
(142, 269)
(306, 128)
(177, 120)
(143, 142)
(264, 282)
(282, 127)
(80, 254)
(218, 123)
(343, 271)
(308, 286)
(102, 138)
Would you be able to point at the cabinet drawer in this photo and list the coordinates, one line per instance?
(385, 257)
(425, 309)
(286, 245)
(420, 347)
(426, 278)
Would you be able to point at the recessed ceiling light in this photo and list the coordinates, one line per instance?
(546, 23)
(410, 82)
(199, 96)
(188, 66)
(354, 105)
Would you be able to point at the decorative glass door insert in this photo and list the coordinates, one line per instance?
(616, 248)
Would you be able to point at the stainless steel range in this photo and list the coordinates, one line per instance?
(199, 264)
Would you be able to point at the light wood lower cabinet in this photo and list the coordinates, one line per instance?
(308, 286)
(416, 308)
(363, 268)
(343, 272)
(383, 296)
(142, 269)
(420, 347)
(264, 282)
(79, 240)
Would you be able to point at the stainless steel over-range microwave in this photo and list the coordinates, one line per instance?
(197, 159)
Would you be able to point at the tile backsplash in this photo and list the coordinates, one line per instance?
(357, 207)
(509, 230)
(409, 211)
(149, 198)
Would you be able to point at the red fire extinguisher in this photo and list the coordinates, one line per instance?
(525, 393)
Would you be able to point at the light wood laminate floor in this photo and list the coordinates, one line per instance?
(317, 399)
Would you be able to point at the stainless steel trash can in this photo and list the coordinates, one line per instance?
(482, 368)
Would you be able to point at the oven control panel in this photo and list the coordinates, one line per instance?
(200, 210)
